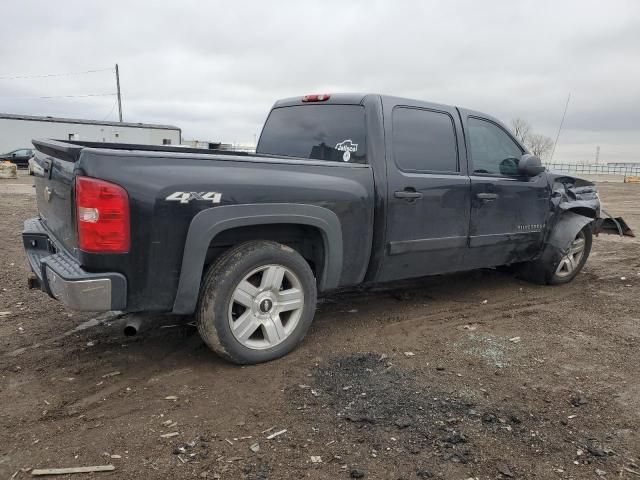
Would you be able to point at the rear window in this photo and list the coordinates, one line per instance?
(318, 132)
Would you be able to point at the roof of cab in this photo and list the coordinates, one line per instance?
(339, 98)
(358, 99)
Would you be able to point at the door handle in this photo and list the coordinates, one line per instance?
(487, 196)
(408, 195)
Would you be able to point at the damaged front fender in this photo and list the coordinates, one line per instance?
(566, 230)
(574, 204)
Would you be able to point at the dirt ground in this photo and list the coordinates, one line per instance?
(476, 375)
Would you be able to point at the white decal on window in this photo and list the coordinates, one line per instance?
(347, 146)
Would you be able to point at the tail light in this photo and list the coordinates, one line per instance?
(103, 216)
(322, 97)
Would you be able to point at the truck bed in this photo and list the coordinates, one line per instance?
(75, 146)
(159, 226)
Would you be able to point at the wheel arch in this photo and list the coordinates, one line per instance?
(566, 229)
(209, 224)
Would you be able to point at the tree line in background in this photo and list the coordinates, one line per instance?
(540, 145)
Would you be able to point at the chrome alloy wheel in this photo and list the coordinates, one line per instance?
(265, 307)
(571, 260)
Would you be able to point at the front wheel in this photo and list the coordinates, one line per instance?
(572, 262)
(554, 267)
(257, 302)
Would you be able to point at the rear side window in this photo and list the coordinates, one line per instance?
(424, 140)
(318, 132)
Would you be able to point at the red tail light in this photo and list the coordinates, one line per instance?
(103, 216)
(322, 97)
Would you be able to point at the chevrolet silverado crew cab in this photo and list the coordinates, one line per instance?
(342, 190)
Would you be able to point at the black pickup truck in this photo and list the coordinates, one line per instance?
(343, 190)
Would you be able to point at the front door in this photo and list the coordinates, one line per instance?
(428, 191)
(508, 211)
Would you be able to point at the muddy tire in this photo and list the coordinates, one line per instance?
(256, 302)
(554, 268)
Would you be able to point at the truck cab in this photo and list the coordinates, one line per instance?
(449, 190)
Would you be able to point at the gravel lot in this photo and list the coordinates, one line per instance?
(475, 375)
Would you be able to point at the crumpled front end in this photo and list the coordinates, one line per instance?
(580, 197)
(570, 193)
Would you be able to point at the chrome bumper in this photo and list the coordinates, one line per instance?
(60, 275)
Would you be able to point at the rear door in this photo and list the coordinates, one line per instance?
(508, 211)
(428, 190)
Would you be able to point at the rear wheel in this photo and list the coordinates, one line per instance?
(257, 302)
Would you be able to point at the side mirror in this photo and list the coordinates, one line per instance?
(530, 165)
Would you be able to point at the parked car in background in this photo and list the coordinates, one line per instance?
(20, 157)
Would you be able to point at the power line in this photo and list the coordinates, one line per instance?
(46, 75)
(73, 96)
(111, 111)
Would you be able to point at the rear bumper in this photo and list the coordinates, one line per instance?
(59, 274)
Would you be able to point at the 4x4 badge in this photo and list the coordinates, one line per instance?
(186, 197)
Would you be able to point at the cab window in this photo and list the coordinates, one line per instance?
(424, 141)
(317, 132)
(493, 151)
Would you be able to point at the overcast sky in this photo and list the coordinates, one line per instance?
(214, 68)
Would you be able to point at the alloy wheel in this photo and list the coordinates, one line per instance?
(265, 307)
(571, 260)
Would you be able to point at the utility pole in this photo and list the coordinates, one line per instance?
(119, 98)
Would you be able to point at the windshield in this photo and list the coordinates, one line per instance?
(318, 132)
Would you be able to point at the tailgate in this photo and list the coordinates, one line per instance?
(53, 178)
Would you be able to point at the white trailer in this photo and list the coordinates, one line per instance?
(17, 131)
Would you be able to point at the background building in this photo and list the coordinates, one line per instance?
(202, 144)
(17, 131)
(234, 147)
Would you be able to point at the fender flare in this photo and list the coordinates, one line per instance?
(207, 224)
(556, 244)
(566, 229)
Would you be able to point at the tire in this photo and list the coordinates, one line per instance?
(256, 303)
(554, 268)
(560, 274)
